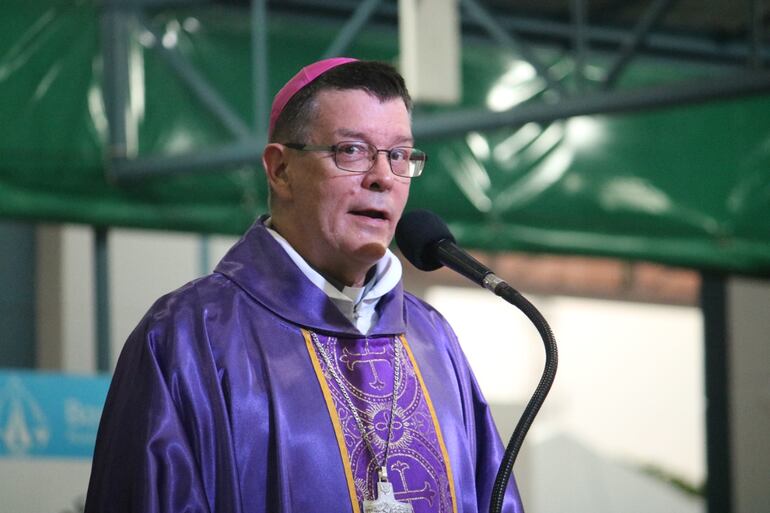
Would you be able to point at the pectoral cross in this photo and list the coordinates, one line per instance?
(386, 502)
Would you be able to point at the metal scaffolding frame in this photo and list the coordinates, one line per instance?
(504, 30)
(603, 102)
(653, 15)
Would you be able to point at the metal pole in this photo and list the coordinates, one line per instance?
(579, 22)
(483, 18)
(220, 159)
(102, 300)
(698, 91)
(197, 84)
(351, 29)
(114, 40)
(713, 302)
(651, 17)
(756, 12)
(682, 45)
(259, 56)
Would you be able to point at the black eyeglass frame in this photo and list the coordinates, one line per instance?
(413, 162)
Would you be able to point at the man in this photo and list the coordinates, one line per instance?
(299, 377)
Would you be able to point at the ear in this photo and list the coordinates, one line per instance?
(275, 161)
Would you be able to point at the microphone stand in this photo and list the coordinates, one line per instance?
(453, 257)
(512, 296)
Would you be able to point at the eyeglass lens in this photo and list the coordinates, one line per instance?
(360, 156)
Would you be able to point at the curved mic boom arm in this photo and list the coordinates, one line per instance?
(512, 296)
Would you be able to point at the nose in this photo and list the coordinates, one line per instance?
(379, 177)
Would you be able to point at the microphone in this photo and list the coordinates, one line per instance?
(425, 240)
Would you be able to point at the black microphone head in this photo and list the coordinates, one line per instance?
(418, 234)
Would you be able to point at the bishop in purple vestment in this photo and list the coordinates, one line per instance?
(300, 376)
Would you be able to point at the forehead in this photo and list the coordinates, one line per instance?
(356, 113)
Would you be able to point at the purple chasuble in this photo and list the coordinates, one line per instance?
(215, 404)
(415, 464)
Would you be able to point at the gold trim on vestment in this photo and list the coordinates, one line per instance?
(333, 415)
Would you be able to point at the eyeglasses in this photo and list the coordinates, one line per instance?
(359, 157)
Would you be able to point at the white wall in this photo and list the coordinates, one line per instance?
(65, 298)
(43, 485)
(629, 391)
(143, 265)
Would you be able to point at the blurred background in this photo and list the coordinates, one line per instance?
(611, 159)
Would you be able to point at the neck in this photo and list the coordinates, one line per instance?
(337, 271)
(342, 278)
(338, 284)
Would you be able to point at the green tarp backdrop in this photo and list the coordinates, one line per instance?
(687, 186)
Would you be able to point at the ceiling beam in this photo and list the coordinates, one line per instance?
(605, 102)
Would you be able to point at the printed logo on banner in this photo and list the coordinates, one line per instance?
(81, 421)
(23, 425)
(49, 415)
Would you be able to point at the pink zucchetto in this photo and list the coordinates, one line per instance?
(300, 80)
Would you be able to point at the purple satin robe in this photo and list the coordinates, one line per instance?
(215, 405)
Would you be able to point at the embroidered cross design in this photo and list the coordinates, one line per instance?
(425, 493)
(351, 359)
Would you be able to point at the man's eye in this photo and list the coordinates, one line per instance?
(353, 150)
(399, 154)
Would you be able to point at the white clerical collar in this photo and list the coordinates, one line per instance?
(356, 303)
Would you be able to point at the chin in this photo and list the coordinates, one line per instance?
(371, 251)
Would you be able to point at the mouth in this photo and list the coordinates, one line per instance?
(371, 214)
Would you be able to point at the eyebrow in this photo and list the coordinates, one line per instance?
(344, 132)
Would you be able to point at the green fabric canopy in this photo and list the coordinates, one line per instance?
(687, 186)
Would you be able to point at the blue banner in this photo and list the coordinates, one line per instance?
(49, 415)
